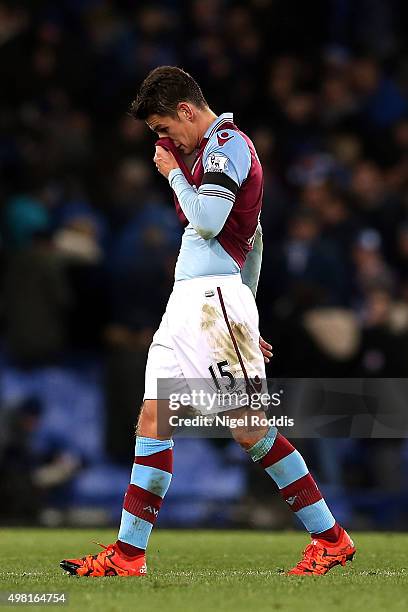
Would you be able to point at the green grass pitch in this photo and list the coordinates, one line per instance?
(200, 571)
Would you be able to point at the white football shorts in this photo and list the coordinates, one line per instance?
(207, 342)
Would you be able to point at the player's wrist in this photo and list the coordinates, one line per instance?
(174, 172)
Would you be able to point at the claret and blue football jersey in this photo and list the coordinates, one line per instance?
(221, 208)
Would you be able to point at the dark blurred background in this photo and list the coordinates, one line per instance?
(88, 241)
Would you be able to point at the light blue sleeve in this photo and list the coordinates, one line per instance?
(252, 266)
(227, 155)
(207, 213)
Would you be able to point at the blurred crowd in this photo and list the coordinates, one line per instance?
(88, 236)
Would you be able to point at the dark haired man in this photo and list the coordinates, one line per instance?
(209, 333)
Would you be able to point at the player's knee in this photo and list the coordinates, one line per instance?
(246, 441)
(148, 424)
(246, 438)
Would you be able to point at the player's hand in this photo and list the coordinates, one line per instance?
(165, 161)
(266, 349)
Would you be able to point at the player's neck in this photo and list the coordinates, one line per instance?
(205, 119)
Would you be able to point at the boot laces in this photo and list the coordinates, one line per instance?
(310, 553)
(100, 556)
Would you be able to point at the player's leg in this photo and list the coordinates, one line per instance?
(330, 545)
(150, 478)
(285, 465)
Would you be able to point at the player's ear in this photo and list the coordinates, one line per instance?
(185, 111)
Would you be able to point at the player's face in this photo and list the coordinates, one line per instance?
(179, 128)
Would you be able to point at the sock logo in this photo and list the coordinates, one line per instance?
(151, 510)
(291, 500)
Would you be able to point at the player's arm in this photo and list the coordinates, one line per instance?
(207, 212)
(250, 277)
(252, 266)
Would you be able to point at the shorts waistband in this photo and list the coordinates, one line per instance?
(208, 282)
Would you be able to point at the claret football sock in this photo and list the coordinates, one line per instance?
(150, 479)
(129, 551)
(331, 536)
(285, 465)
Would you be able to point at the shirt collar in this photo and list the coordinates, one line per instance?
(217, 122)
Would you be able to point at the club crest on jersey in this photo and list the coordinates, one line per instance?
(224, 137)
(216, 163)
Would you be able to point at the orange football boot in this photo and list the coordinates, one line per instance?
(109, 562)
(320, 556)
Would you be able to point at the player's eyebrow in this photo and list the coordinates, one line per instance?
(156, 128)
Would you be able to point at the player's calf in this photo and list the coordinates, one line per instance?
(150, 478)
(331, 545)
